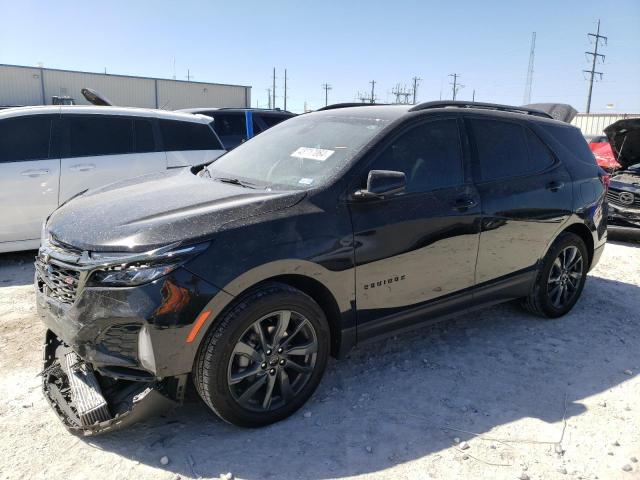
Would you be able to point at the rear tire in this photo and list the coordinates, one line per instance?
(264, 358)
(561, 279)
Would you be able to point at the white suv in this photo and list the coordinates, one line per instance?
(49, 154)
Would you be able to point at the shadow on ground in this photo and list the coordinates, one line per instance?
(17, 268)
(396, 400)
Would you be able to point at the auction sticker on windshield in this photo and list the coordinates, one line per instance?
(319, 154)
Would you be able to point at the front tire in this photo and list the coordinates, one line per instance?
(264, 358)
(561, 279)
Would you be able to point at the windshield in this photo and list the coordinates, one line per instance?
(300, 153)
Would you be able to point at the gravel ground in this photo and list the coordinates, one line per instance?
(502, 395)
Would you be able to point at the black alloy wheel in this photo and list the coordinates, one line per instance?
(264, 356)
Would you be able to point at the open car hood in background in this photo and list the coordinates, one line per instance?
(624, 137)
(559, 111)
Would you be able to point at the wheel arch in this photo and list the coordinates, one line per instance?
(333, 291)
(581, 230)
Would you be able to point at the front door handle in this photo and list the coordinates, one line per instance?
(82, 167)
(462, 204)
(35, 173)
(555, 186)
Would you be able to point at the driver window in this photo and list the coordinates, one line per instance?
(430, 155)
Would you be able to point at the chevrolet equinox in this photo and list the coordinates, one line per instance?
(329, 229)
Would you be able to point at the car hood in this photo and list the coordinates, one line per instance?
(624, 137)
(154, 210)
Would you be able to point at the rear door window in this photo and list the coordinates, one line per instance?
(25, 138)
(506, 149)
(100, 135)
(271, 120)
(177, 136)
(143, 136)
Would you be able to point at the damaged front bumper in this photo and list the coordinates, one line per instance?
(114, 355)
(88, 404)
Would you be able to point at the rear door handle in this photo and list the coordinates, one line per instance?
(555, 186)
(82, 167)
(35, 173)
(462, 204)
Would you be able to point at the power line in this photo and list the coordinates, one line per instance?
(402, 94)
(594, 56)
(455, 86)
(527, 88)
(326, 87)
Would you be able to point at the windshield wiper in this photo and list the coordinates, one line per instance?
(234, 181)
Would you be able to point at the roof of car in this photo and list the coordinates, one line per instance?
(95, 110)
(393, 112)
(235, 109)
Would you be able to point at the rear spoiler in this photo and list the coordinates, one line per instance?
(558, 111)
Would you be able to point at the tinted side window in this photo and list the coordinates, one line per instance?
(573, 141)
(271, 120)
(143, 136)
(430, 155)
(100, 135)
(178, 135)
(25, 138)
(502, 149)
(231, 128)
(539, 155)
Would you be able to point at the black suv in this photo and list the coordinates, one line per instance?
(329, 229)
(237, 125)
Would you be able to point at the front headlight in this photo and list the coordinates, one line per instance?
(129, 275)
(137, 270)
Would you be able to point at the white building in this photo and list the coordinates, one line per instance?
(37, 86)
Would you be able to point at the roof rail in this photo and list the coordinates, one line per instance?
(347, 105)
(481, 105)
(279, 110)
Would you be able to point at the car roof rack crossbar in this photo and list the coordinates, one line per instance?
(481, 105)
(348, 105)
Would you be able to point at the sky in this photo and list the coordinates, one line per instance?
(343, 43)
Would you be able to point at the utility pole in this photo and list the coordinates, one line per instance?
(416, 82)
(473, 97)
(373, 87)
(326, 87)
(527, 88)
(285, 88)
(269, 97)
(594, 56)
(455, 86)
(188, 75)
(273, 92)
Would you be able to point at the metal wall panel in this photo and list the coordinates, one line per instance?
(173, 95)
(125, 91)
(20, 86)
(595, 123)
(27, 85)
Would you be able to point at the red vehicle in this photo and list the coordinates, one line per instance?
(601, 149)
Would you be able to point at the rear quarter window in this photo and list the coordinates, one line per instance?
(571, 138)
(507, 149)
(177, 135)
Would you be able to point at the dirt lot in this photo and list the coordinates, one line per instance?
(532, 399)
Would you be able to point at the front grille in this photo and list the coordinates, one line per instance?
(57, 281)
(614, 197)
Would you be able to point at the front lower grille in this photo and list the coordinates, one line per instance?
(623, 198)
(57, 281)
(121, 340)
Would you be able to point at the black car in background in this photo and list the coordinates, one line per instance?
(624, 189)
(329, 229)
(237, 125)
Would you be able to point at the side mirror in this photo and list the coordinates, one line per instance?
(381, 183)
